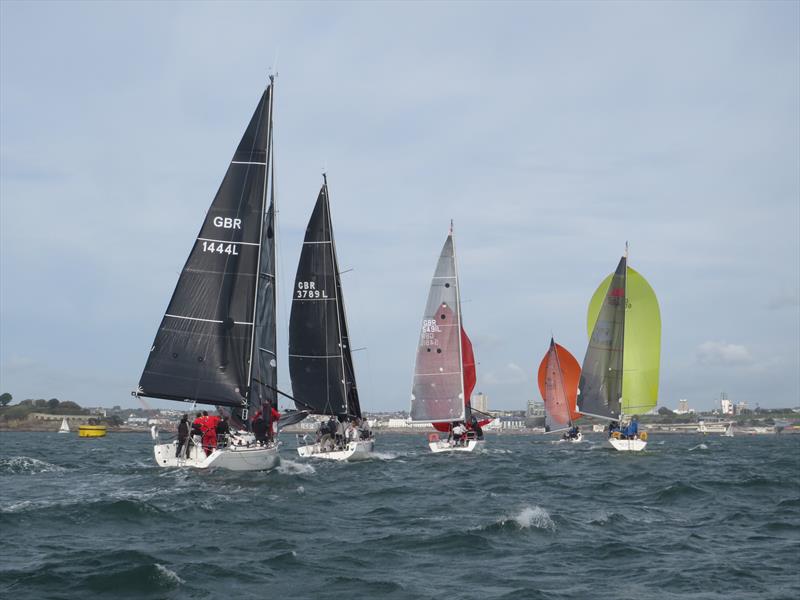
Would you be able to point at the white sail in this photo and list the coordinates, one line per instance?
(64, 426)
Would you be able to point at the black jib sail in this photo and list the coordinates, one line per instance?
(222, 312)
(320, 363)
(600, 388)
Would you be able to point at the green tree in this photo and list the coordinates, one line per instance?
(664, 411)
(53, 403)
(5, 399)
(41, 403)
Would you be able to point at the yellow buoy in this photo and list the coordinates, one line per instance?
(92, 430)
(643, 436)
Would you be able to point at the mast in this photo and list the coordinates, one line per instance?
(624, 318)
(560, 374)
(464, 399)
(339, 307)
(247, 398)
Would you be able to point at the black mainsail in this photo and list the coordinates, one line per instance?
(320, 361)
(600, 388)
(216, 343)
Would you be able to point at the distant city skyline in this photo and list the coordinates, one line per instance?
(552, 133)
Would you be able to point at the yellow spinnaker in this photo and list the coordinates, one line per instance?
(641, 356)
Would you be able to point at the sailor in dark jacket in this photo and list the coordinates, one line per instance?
(260, 429)
(223, 429)
(183, 435)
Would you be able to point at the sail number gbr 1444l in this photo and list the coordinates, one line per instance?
(221, 248)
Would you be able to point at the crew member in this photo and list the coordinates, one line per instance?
(273, 416)
(183, 434)
(459, 431)
(210, 433)
(476, 427)
(260, 429)
(223, 429)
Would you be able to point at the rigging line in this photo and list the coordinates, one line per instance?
(261, 215)
(284, 394)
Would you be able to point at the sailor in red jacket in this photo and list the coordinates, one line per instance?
(274, 415)
(209, 425)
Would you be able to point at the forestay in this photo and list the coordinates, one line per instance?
(202, 350)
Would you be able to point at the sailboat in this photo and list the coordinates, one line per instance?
(320, 356)
(64, 426)
(216, 342)
(728, 431)
(558, 376)
(444, 374)
(619, 375)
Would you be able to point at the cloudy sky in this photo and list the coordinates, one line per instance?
(551, 133)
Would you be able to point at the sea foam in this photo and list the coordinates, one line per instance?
(25, 465)
(169, 574)
(531, 517)
(290, 467)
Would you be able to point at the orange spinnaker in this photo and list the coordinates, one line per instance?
(572, 375)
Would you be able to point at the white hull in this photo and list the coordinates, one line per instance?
(360, 450)
(635, 445)
(446, 446)
(234, 457)
(576, 440)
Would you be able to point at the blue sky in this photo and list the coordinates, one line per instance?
(550, 132)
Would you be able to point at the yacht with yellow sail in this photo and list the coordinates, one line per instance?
(619, 376)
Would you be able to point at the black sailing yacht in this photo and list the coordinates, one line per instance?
(320, 356)
(216, 344)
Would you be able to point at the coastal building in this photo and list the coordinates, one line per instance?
(741, 408)
(726, 406)
(510, 423)
(480, 401)
(535, 409)
(71, 419)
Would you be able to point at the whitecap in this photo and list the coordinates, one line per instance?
(699, 447)
(531, 516)
(290, 467)
(385, 455)
(301, 489)
(25, 465)
(169, 574)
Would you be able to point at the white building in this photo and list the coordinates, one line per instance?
(535, 409)
(726, 406)
(480, 401)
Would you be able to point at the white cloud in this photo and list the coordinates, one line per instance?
(510, 374)
(722, 353)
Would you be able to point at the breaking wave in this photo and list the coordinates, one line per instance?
(25, 465)
(530, 517)
(290, 467)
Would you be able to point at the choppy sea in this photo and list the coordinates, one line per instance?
(692, 517)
